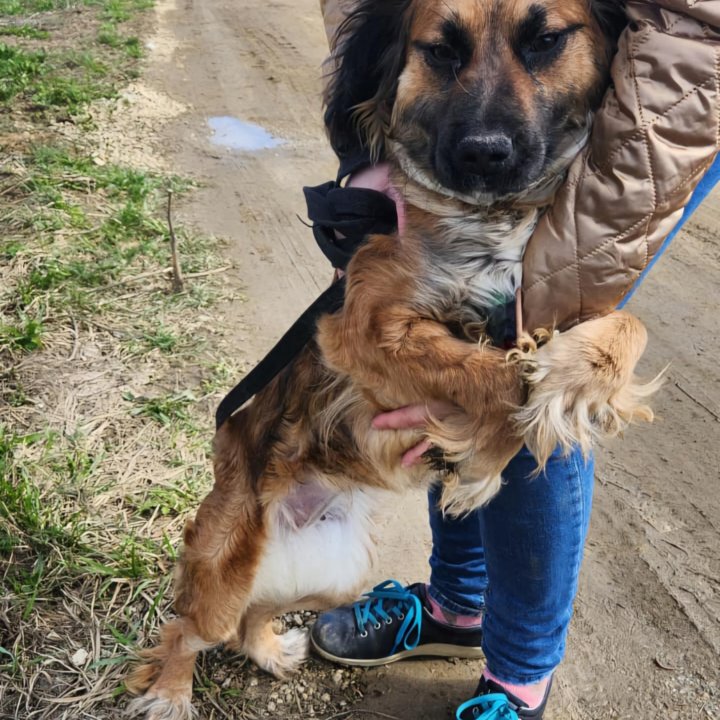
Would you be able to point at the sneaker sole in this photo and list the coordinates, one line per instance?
(429, 650)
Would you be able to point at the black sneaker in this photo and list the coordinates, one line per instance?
(493, 702)
(390, 623)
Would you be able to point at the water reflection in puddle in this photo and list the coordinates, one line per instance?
(239, 135)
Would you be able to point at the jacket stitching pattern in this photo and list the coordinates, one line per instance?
(622, 235)
(603, 166)
(610, 241)
(717, 92)
(645, 219)
(648, 150)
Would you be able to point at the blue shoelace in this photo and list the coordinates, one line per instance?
(386, 602)
(488, 707)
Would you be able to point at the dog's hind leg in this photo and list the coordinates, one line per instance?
(280, 655)
(215, 576)
(166, 677)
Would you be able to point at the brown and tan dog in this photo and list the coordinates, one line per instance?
(479, 105)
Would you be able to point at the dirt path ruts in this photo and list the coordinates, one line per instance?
(646, 635)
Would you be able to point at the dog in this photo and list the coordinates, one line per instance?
(479, 106)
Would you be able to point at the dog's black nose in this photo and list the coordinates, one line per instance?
(484, 154)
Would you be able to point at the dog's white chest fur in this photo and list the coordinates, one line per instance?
(476, 263)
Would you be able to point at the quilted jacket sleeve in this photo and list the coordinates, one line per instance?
(653, 139)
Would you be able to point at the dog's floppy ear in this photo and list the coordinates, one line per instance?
(369, 52)
(611, 18)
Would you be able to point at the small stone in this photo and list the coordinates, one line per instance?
(253, 682)
(325, 697)
(297, 619)
(271, 706)
(337, 677)
(79, 657)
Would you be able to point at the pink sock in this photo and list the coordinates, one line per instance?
(532, 695)
(449, 618)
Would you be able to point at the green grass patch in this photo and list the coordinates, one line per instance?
(166, 409)
(24, 31)
(126, 236)
(19, 69)
(30, 7)
(68, 81)
(109, 35)
(121, 10)
(25, 334)
(29, 521)
(68, 78)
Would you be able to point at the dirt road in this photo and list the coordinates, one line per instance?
(646, 636)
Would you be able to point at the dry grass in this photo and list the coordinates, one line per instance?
(107, 384)
(107, 380)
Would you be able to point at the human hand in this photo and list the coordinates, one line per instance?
(413, 417)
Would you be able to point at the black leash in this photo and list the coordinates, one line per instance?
(354, 214)
(285, 350)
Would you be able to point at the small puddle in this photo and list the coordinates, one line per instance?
(239, 135)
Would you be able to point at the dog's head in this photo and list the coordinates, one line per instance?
(482, 98)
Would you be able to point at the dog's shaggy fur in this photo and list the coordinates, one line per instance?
(479, 106)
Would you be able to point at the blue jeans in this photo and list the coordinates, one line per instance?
(518, 559)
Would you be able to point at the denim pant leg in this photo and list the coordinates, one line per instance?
(534, 532)
(458, 579)
(521, 555)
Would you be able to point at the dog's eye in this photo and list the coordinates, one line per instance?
(545, 43)
(444, 54)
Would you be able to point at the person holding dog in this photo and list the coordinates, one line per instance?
(503, 579)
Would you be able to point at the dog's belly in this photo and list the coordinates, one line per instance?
(319, 546)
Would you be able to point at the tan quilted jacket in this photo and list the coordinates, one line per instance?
(653, 139)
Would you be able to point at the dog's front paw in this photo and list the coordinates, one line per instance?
(582, 387)
(524, 354)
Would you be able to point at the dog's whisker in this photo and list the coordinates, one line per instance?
(459, 82)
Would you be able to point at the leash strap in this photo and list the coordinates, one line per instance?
(342, 220)
(284, 352)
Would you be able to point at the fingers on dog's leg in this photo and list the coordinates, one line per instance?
(583, 387)
(280, 655)
(166, 676)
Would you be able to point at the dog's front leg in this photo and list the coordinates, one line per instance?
(582, 385)
(385, 343)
